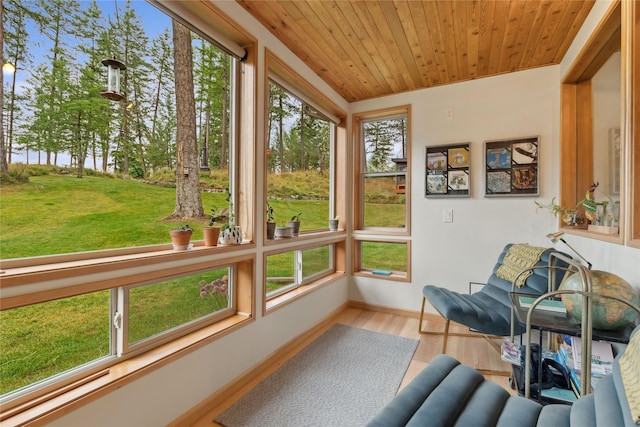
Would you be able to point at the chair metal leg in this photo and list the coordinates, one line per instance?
(424, 300)
(446, 334)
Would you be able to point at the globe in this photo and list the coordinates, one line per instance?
(607, 313)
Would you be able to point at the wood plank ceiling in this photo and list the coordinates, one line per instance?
(367, 49)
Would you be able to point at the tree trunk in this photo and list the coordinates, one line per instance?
(188, 201)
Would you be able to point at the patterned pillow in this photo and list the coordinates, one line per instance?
(519, 257)
(630, 372)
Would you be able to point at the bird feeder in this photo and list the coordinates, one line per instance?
(113, 79)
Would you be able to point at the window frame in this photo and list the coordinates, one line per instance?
(126, 348)
(575, 172)
(360, 173)
(77, 278)
(278, 71)
(313, 283)
(359, 270)
(298, 273)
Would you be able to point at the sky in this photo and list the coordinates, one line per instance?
(154, 22)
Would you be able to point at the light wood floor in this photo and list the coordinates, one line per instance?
(475, 352)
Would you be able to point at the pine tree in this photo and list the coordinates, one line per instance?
(188, 200)
(161, 135)
(55, 18)
(15, 40)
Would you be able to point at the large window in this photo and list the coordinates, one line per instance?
(299, 160)
(382, 194)
(304, 151)
(288, 272)
(69, 130)
(384, 160)
(153, 310)
(42, 340)
(61, 339)
(89, 281)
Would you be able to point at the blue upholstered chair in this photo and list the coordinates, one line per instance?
(487, 312)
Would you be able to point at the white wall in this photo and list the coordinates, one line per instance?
(508, 106)
(452, 254)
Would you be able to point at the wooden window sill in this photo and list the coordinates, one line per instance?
(288, 297)
(393, 276)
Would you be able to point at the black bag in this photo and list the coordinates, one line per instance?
(553, 374)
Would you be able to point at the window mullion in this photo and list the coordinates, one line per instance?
(297, 271)
(121, 320)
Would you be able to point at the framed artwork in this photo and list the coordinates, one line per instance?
(447, 171)
(511, 167)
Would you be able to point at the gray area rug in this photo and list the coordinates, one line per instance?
(343, 378)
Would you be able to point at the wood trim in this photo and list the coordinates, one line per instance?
(576, 122)
(592, 55)
(22, 287)
(395, 311)
(568, 146)
(632, 37)
(584, 137)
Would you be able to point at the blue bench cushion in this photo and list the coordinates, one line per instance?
(446, 393)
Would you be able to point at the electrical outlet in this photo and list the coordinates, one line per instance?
(447, 215)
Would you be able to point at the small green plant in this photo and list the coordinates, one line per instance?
(230, 215)
(217, 216)
(270, 213)
(569, 215)
(183, 228)
(296, 218)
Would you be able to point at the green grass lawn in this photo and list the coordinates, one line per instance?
(54, 214)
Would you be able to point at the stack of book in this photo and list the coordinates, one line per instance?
(553, 305)
(570, 355)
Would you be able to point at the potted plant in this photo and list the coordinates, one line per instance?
(284, 231)
(271, 223)
(181, 237)
(211, 233)
(295, 223)
(333, 223)
(570, 215)
(230, 233)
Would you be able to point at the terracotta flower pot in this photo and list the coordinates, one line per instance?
(181, 239)
(211, 235)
